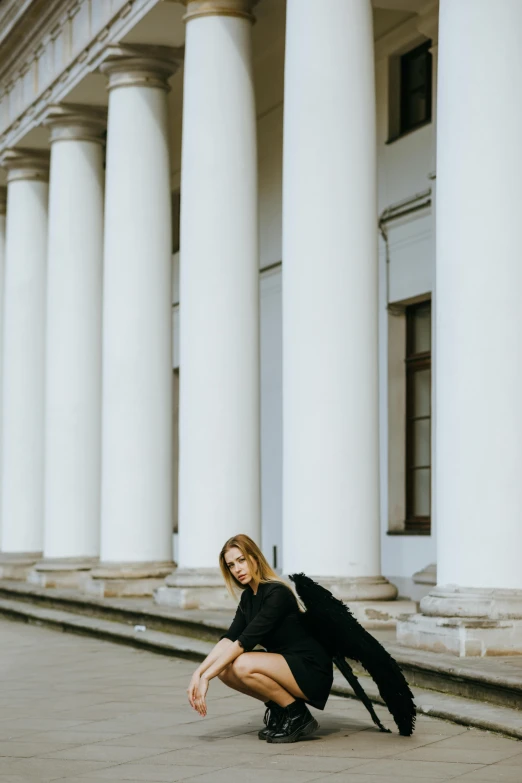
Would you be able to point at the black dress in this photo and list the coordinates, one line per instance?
(272, 619)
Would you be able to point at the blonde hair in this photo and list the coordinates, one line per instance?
(256, 559)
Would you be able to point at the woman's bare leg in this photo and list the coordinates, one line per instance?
(269, 676)
(229, 677)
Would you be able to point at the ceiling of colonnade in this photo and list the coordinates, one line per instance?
(164, 25)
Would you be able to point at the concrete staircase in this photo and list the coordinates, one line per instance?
(485, 693)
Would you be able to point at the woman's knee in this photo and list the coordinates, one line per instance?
(242, 666)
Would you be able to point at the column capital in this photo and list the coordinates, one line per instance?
(241, 8)
(74, 122)
(3, 200)
(145, 66)
(25, 164)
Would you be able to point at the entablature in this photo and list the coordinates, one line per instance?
(48, 47)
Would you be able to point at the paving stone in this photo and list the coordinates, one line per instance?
(52, 769)
(112, 753)
(82, 710)
(149, 772)
(242, 775)
(460, 755)
(416, 769)
(492, 774)
(28, 749)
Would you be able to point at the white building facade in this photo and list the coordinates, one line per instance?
(227, 306)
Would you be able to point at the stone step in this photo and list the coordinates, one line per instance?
(496, 680)
(457, 709)
(208, 625)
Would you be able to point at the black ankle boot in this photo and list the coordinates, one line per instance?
(297, 722)
(273, 715)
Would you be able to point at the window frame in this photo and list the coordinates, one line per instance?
(405, 59)
(397, 127)
(414, 363)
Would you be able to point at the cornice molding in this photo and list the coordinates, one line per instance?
(25, 35)
(24, 98)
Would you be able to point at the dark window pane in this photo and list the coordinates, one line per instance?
(418, 418)
(420, 328)
(421, 502)
(415, 87)
(421, 442)
(415, 72)
(416, 110)
(421, 383)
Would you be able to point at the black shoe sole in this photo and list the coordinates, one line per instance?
(304, 731)
(262, 734)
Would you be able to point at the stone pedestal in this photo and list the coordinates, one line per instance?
(427, 576)
(64, 572)
(466, 622)
(17, 565)
(195, 588)
(127, 580)
(372, 601)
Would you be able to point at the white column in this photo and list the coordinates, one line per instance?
(136, 500)
(73, 368)
(478, 383)
(24, 361)
(219, 475)
(330, 299)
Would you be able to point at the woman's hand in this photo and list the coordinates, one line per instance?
(192, 689)
(200, 703)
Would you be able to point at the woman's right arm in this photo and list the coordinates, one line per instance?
(237, 626)
(211, 658)
(213, 655)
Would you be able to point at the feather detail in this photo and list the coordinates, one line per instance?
(330, 621)
(347, 672)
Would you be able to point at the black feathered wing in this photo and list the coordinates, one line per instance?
(332, 623)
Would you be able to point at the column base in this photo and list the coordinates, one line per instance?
(66, 572)
(427, 576)
(371, 599)
(127, 580)
(195, 588)
(16, 565)
(466, 622)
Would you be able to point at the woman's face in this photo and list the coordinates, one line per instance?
(239, 566)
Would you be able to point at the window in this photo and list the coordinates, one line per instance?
(176, 208)
(418, 418)
(415, 88)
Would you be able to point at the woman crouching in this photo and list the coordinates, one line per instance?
(294, 671)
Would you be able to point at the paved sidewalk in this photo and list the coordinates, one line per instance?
(82, 710)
